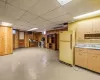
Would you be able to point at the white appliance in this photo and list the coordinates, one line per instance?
(66, 46)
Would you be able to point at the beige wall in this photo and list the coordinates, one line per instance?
(88, 26)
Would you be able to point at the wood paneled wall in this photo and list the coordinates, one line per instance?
(16, 40)
(6, 40)
(38, 36)
(21, 39)
(26, 39)
(88, 26)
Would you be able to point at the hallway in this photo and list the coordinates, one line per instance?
(39, 64)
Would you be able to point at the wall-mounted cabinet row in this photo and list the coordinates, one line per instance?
(90, 26)
(88, 58)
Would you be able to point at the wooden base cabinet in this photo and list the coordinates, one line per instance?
(93, 60)
(88, 58)
(81, 57)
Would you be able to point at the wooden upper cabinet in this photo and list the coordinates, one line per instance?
(96, 25)
(84, 27)
(94, 60)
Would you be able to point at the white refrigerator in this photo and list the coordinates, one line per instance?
(66, 46)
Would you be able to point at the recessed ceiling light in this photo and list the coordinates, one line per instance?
(32, 29)
(63, 2)
(88, 15)
(6, 24)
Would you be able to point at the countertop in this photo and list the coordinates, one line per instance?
(88, 46)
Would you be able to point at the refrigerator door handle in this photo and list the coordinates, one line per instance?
(71, 41)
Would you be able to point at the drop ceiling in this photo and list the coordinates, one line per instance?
(43, 14)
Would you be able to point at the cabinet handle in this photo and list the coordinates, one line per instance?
(95, 56)
(80, 53)
(71, 41)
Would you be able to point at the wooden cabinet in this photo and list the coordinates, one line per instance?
(6, 46)
(96, 25)
(88, 58)
(81, 57)
(1, 46)
(52, 41)
(84, 27)
(93, 60)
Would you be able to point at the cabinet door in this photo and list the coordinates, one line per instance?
(96, 25)
(81, 57)
(94, 60)
(86, 26)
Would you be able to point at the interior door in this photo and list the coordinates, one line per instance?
(65, 47)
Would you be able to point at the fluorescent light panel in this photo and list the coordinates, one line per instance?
(6, 24)
(63, 2)
(88, 15)
(32, 29)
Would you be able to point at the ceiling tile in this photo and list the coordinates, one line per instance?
(44, 6)
(45, 23)
(20, 23)
(78, 7)
(55, 13)
(38, 20)
(13, 12)
(63, 18)
(7, 0)
(3, 0)
(24, 4)
(7, 19)
(28, 17)
(2, 5)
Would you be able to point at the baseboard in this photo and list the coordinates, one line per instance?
(66, 63)
(88, 70)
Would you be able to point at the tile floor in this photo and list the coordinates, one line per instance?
(39, 64)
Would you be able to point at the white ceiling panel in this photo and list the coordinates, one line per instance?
(24, 4)
(6, 19)
(38, 21)
(7, 0)
(28, 17)
(63, 18)
(13, 12)
(78, 7)
(44, 6)
(45, 23)
(2, 5)
(20, 23)
(50, 12)
(55, 13)
(3, 0)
